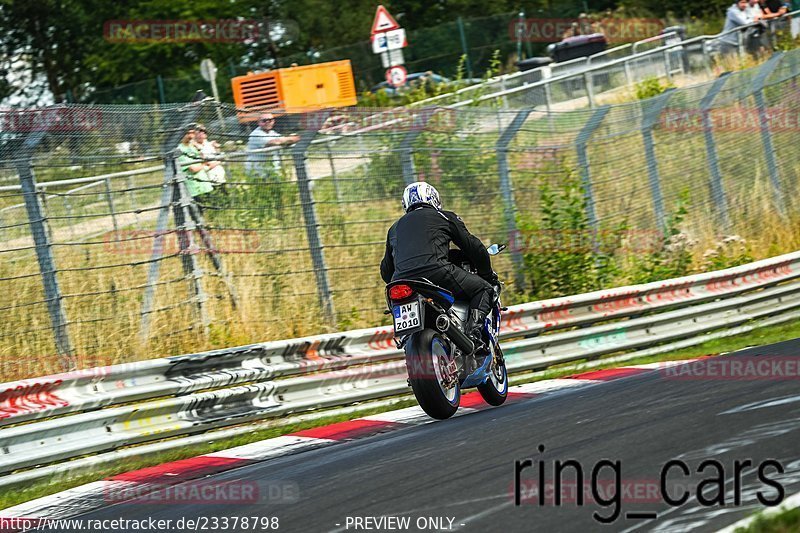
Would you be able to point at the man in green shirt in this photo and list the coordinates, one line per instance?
(191, 163)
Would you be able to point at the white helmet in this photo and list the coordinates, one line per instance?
(420, 193)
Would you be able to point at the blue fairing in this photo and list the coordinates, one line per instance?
(447, 297)
(480, 375)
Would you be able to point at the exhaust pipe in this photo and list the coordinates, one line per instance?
(458, 337)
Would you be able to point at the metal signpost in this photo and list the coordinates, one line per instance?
(209, 72)
(388, 40)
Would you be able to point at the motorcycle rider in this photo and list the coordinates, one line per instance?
(417, 247)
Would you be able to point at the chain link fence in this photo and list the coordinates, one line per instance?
(111, 250)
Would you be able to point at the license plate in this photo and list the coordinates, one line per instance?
(406, 317)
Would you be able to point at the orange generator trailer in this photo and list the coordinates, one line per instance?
(295, 89)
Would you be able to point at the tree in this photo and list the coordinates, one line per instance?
(63, 42)
(49, 38)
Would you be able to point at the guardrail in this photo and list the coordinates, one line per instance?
(101, 409)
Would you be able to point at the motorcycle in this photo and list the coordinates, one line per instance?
(442, 360)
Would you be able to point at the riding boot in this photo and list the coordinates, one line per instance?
(475, 324)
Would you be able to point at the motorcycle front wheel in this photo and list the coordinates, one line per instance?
(431, 375)
(495, 389)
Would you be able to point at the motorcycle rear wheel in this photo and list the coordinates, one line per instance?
(426, 358)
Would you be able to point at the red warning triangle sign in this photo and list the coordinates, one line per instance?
(383, 21)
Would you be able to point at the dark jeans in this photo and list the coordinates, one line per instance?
(463, 285)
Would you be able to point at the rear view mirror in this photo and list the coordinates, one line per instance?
(495, 249)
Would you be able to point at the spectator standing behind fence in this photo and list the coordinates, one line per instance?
(753, 11)
(735, 17)
(773, 10)
(190, 162)
(262, 137)
(757, 37)
(210, 152)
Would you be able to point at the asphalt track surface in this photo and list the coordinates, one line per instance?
(463, 469)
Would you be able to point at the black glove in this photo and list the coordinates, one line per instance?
(494, 281)
(492, 278)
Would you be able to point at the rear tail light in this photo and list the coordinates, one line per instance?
(400, 292)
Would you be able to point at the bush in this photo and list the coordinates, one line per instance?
(650, 87)
(672, 256)
(573, 261)
(730, 251)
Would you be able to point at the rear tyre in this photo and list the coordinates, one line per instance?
(427, 357)
(495, 389)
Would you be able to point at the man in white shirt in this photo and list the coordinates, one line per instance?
(754, 12)
(262, 137)
(210, 152)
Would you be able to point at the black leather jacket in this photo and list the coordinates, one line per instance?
(419, 242)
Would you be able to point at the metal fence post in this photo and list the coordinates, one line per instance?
(110, 202)
(649, 119)
(68, 210)
(312, 227)
(334, 176)
(189, 250)
(583, 162)
(717, 192)
(44, 256)
(507, 191)
(766, 137)
(548, 103)
(41, 197)
(129, 183)
(407, 151)
(707, 58)
(740, 35)
(160, 83)
(667, 66)
(464, 47)
(158, 245)
(587, 80)
(176, 126)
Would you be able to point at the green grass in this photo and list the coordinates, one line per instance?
(62, 482)
(785, 522)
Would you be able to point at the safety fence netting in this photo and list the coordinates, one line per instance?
(129, 232)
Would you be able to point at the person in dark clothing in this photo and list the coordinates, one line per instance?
(417, 247)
